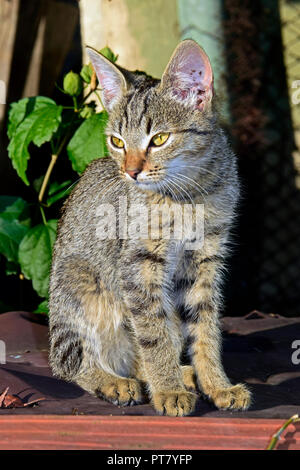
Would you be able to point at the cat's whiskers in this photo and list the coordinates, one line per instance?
(164, 185)
(171, 191)
(71, 186)
(201, 169)
(181, 189)
(179, 181)
(211, 173)
(202, 190)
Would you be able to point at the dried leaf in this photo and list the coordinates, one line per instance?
(13, 401)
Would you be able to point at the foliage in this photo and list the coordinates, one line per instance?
(76, 133)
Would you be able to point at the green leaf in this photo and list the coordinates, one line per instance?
(70, 121)
(14, 224)
(19, 110)
(108, 53)
(55, 187)
(88, 142)
(42, 307)
(58, 191)
(88, 110)
(35, 254)
(19, 209)
(36, 127)
(11, 234)
(37, 183)
(86, 73)
(6, 201)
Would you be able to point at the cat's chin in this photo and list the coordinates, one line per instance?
(148, 186)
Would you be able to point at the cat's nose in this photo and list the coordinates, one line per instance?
(133, 173)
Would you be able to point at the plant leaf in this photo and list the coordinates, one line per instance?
(37, 126)
(19, 110)
(14, 224)
(58, 191)
(108, 53)
(37, 183)
(55, 187)
(42, 307)
(18, 209)
(87, 72)
(35, 254)
(6, 201)
(11, 234)
(88, 142)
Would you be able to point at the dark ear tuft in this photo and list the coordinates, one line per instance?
(111, 80)
(189, 75)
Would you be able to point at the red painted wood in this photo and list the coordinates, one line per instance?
(158, 433)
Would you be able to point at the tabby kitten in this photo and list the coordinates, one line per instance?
(123, 310)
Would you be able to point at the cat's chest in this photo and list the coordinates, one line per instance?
(153, 217)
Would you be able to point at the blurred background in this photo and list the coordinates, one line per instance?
(254, 48)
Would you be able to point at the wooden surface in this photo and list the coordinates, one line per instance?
(105, 432)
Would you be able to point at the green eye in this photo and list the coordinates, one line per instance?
(160, 139)
(117, 142)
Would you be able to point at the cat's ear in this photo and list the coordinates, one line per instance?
(112, 81)
(188, 75)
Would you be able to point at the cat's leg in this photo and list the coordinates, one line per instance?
(188, 376)
(160, 346)
(88, 344)
(200, 312)
(118, 390)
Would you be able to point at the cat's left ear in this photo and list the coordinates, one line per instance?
(189, 75)
(112, 81)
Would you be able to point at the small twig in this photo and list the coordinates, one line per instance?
(93, 83)
(275, 438)
(34, 401)
(43, 215)
(47, 176)
(75, 104)
(3, 395)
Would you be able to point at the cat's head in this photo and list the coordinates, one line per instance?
(159, 130)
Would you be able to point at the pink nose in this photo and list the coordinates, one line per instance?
(133, 173)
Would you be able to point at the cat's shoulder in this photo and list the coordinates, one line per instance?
(101, 168)
(97, 178)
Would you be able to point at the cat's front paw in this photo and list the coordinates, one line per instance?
(121, 391)
(236, 397)
(174, 403)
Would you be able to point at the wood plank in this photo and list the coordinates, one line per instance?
(113, 432)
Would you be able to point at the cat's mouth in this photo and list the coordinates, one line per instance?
(145, 181)
(143, 178)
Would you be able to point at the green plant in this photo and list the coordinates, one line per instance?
(74, 132)
(275, 438)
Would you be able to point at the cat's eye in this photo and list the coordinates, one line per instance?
(117, 142)
(160, 139)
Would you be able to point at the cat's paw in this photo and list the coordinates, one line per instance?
(174, 403)
(122, 392)
(189, 378)
(236, 397)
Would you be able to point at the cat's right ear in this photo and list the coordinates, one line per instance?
(188, 75)
(112, 81)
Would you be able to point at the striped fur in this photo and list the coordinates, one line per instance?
(124, 312)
